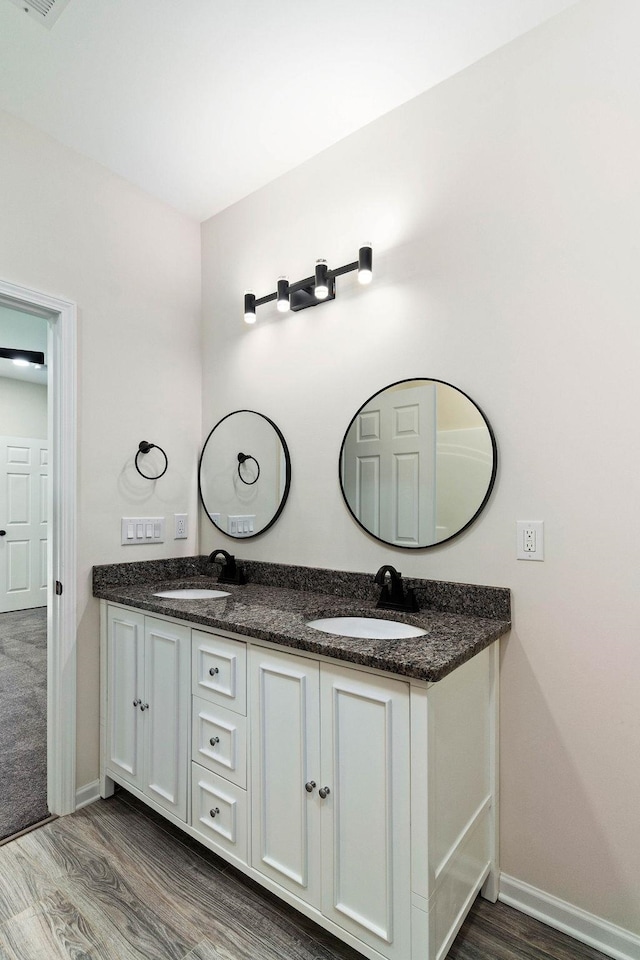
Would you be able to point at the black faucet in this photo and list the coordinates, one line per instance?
(393, 595)
(230, 573)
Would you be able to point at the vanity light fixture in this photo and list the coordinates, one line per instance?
(23, 358)
(311, 291)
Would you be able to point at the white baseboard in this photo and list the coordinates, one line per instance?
(587, 927)
(87, 794)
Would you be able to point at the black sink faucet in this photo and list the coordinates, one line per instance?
(230, 573)
(393, 595)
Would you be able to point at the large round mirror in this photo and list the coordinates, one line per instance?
(417, 463)
(244, 474)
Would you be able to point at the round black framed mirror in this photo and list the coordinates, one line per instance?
(244, 474)
(417, 463)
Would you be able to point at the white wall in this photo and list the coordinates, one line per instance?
(504, 211)
(23, 409)
(71, 229)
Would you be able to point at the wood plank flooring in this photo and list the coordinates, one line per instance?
(116, 882)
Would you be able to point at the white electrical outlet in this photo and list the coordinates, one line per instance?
(181, 531)
(530, 535)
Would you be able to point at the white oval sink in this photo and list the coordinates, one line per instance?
(192, 593)
(366, 628)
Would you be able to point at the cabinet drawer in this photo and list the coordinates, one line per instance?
(220, 670)
(219, 811)
(220, 741)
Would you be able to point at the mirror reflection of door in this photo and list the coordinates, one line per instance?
(389, 457)
(418, 463)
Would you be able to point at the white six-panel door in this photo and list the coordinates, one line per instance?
(24, 470)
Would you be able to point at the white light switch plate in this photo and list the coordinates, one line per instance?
(142, 530)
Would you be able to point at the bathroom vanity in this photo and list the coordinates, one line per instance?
(356, 779)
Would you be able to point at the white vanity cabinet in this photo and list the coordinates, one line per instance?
(331, 792)
(366, 800)
(148, 685)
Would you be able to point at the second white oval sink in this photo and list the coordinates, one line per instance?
(192, 593)
(366, 628)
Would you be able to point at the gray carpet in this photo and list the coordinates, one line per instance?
(23, 719)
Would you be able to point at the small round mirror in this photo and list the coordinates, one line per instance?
(417, 463)
(244, 474)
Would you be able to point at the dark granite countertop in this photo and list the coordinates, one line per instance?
(279, 613)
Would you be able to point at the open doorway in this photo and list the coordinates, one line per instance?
(38, 562)
(24, 521)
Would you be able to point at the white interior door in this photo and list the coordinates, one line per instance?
(389, 466)
(24, 473)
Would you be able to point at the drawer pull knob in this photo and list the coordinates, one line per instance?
(213, 671)
(212, 813)
(324, 792)
(214, 740)
(310, 786)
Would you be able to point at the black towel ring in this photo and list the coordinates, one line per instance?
(144, 447)
(241, 459)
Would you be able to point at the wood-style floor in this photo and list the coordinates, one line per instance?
(116, 882)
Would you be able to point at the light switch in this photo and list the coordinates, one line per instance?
(242, 526)
(141, 530)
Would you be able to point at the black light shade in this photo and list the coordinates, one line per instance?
(250, 307)
(283, 295)
(365, 264)
(29, 356)
(321, 284)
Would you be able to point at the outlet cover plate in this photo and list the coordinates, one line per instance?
(530, 543)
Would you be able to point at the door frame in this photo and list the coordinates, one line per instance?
(61, 551)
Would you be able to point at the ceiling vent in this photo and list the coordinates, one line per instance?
(45, 11)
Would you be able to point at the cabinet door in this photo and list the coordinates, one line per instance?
(365, 817)
(285, 755)
(167, 714)
(125, 690)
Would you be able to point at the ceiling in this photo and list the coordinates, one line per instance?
(201, 102)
